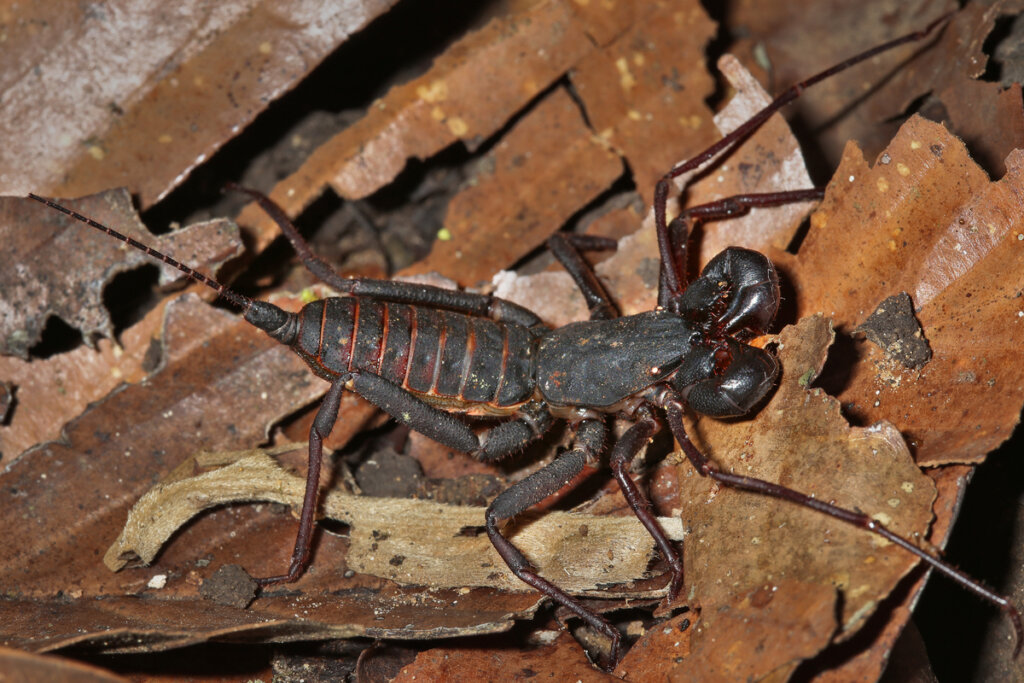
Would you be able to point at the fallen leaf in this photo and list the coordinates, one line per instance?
(22, 666)
(519, 54)
(925, 220)
(741, 640)
(412, 542)
(738, 541)
(108, 96)
(561, 660)
(490, 95)
(548, 167)
(62, 267)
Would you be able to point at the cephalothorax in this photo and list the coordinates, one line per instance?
(424, 354)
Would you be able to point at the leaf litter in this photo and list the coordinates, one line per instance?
(45, 484)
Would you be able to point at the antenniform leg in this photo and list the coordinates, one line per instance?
(391, 290)
(671, 240)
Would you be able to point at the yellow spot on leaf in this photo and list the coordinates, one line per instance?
(457, 126)
(626, 79)
(819, 220)
(693, 122)
(436, 91)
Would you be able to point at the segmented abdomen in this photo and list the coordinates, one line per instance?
(455, 360)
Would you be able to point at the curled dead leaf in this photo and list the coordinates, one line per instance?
(412, 542)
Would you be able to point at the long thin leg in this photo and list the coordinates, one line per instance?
(589, 439)
(673, 278)
(443, 427)
(674, 411)
(497, 442)
(326, 416)
(483, 305)
(390, 290)
(567, 247)
(635, 438)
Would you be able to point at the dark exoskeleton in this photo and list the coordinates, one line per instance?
(421, 354)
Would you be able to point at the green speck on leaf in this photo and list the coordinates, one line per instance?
(444, 234)
(806, 378)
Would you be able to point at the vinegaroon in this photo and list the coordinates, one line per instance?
(421, 354)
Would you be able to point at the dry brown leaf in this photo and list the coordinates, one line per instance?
(545, 170)
(762, 634)
(866, 655)
(788, 42)
(62, 267)
(924, 219)
(126, 624)
(64, 271)
(519, 54)
(412, 542)
(21, 666)
(420, 118)
(57, 389)
(738, 541)
(559, 660)
(642, 95)
(137, 94)
(248, 533)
